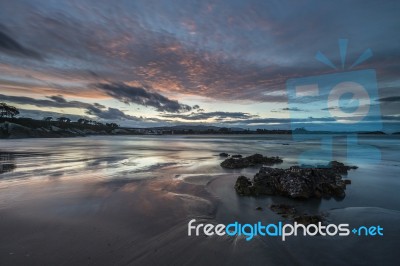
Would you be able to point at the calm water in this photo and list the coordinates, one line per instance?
(34, 172)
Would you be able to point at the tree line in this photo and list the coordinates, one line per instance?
(8, 111)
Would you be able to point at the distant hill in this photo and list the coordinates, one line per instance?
(189, 127)
(199, 128)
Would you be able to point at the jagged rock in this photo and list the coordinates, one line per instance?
(237, 156)
(223, 154)
(252, 160)
(244, 186)
(296, 182)
(340, 168)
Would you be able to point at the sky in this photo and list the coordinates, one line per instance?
(222, 63)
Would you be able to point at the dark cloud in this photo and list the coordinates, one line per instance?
(10, 46)
(215, 115)
(110, 114)
(129, 94)
(390, 99)
(293, 109)
(58, 101)
(54, 101)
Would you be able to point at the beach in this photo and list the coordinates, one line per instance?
(127, 200)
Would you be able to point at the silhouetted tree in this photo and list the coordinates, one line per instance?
(112, 125)
(8, 110)
(64, 119)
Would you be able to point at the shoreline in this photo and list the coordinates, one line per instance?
(29, 128)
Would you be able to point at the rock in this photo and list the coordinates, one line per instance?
(243, 186)
(296, 182)
(237, 156)
(284, 210)
(340, 168)
(289, 212)
(347, 181)
(223, 154)
(309, 219)
(259, 208)
(252, 160)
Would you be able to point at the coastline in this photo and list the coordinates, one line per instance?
(19, 128)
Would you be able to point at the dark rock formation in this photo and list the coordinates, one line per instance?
(252, 160)
(296, 182)
(290, 212)
(223, 154)
(284, 210)
(244, 186)
(237, 156)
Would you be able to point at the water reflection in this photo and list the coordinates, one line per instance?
(7, 162)
(136, 157)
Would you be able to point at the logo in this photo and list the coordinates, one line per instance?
(343, 103)
(249, 231)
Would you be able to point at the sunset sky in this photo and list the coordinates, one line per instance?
(223, 63)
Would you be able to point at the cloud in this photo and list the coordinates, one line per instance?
(294, 109)
(240, 52)
(390, 99)
(220, 116)
(243, 51)
(10, 46)
(310, 120)
(111, 114)
(58, 101)
(130, 94)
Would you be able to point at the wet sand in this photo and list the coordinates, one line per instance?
(113, 223)
(91, 205)
(145, 223)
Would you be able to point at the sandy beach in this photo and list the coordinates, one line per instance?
(92, 214)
